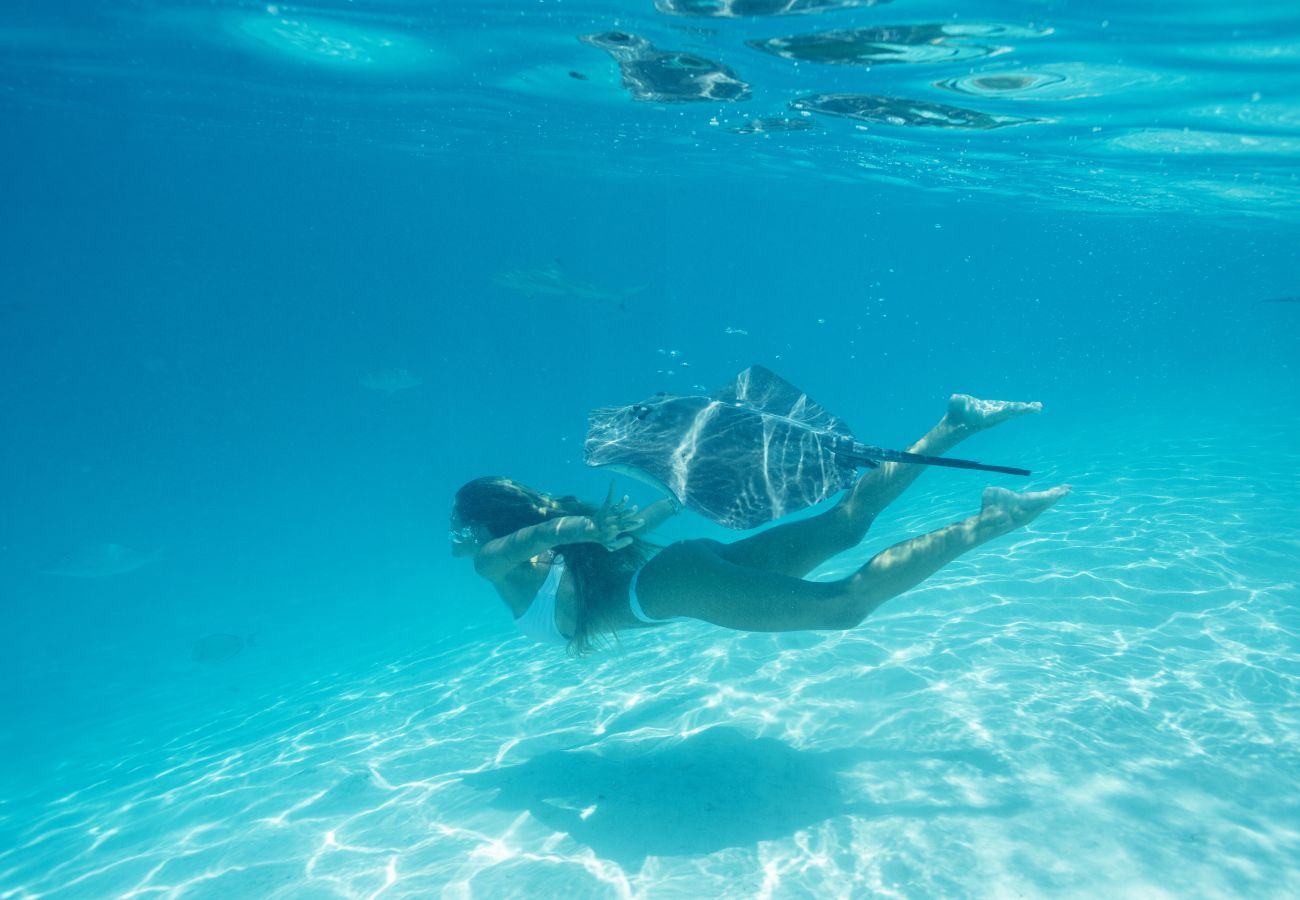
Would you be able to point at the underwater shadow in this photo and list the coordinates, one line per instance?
(714, 790)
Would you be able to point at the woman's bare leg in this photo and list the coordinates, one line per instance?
(796, 548)
(905, 565)
(693, 578)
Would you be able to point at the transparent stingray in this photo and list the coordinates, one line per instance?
(756, 451)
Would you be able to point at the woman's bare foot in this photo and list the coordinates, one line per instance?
(965, 411)
(1002, 510)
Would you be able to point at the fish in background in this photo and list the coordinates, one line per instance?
(217, 648)
(100, 561)
(390, 381)
(553, 280)
(1277, 300)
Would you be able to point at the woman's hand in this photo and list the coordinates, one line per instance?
(611, 523)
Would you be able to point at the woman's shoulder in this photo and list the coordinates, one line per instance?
(519, 584)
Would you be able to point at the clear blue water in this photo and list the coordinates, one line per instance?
(265, 305)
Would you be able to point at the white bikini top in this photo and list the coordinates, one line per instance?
(538, 620)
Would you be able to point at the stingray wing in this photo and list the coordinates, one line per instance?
(763, 391)
(759, 450)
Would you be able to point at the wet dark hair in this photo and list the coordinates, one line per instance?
(503, 506)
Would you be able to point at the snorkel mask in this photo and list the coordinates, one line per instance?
(463, 536)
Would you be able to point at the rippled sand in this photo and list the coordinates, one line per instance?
(1103, 705)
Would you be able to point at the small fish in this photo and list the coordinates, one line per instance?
(390, 381)
(553, 280)
(1278, 300)
(99, 561)
(217, 648)
(578, 75)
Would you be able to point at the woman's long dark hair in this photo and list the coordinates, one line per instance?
(503, 507)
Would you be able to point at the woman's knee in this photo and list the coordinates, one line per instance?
(860, 508)
(847, 529)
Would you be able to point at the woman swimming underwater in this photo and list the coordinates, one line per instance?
(572, 573)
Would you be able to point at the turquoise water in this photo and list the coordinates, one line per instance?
(278, 279)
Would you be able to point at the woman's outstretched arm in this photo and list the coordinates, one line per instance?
(610, 526)
(501, 555)
(657, 513)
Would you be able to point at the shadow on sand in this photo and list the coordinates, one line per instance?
(717, 789)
